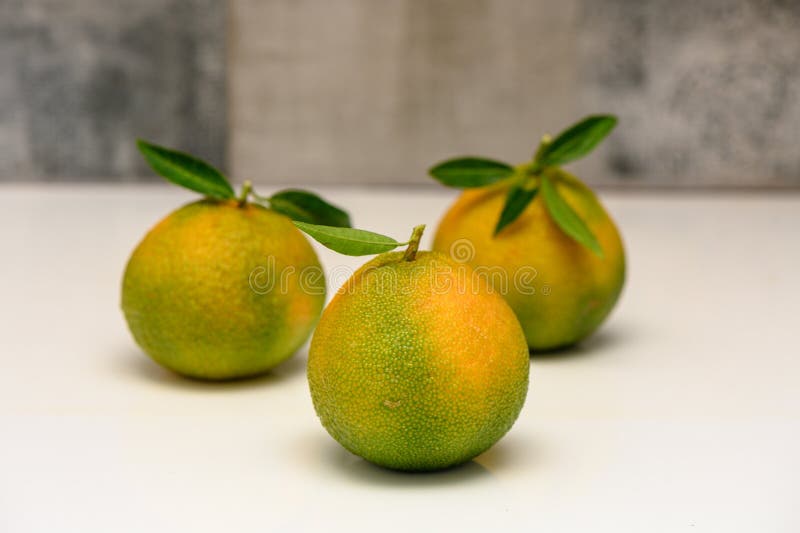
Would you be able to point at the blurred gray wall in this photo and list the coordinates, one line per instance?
(708, 92)
(81, 79)
(366, 91)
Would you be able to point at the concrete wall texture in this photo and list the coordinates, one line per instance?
(708, 92)
(82, 79)
(359, 91)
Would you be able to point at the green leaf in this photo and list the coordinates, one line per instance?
(517, 200)
(306, 206)
(186, 171)
(288, 209)
(349, 241)
(567, 219)
(468, 172)
(577, 141)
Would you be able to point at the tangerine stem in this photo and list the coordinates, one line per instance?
(247, 188)
(544, 143)
(413, 243)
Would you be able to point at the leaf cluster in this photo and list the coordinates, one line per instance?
(197, 175)
(528, 180)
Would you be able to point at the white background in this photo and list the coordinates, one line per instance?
(681, 414)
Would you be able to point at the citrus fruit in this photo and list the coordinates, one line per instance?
(560, 290)
(415, 365)
(222, 289)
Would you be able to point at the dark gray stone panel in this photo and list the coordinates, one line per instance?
(82, 79)
(708, 92)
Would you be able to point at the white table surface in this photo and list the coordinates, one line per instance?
(681, 414)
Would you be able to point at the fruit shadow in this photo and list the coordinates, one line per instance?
(135, 363)
(358, 470)
(601, 341)
(506, 454)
